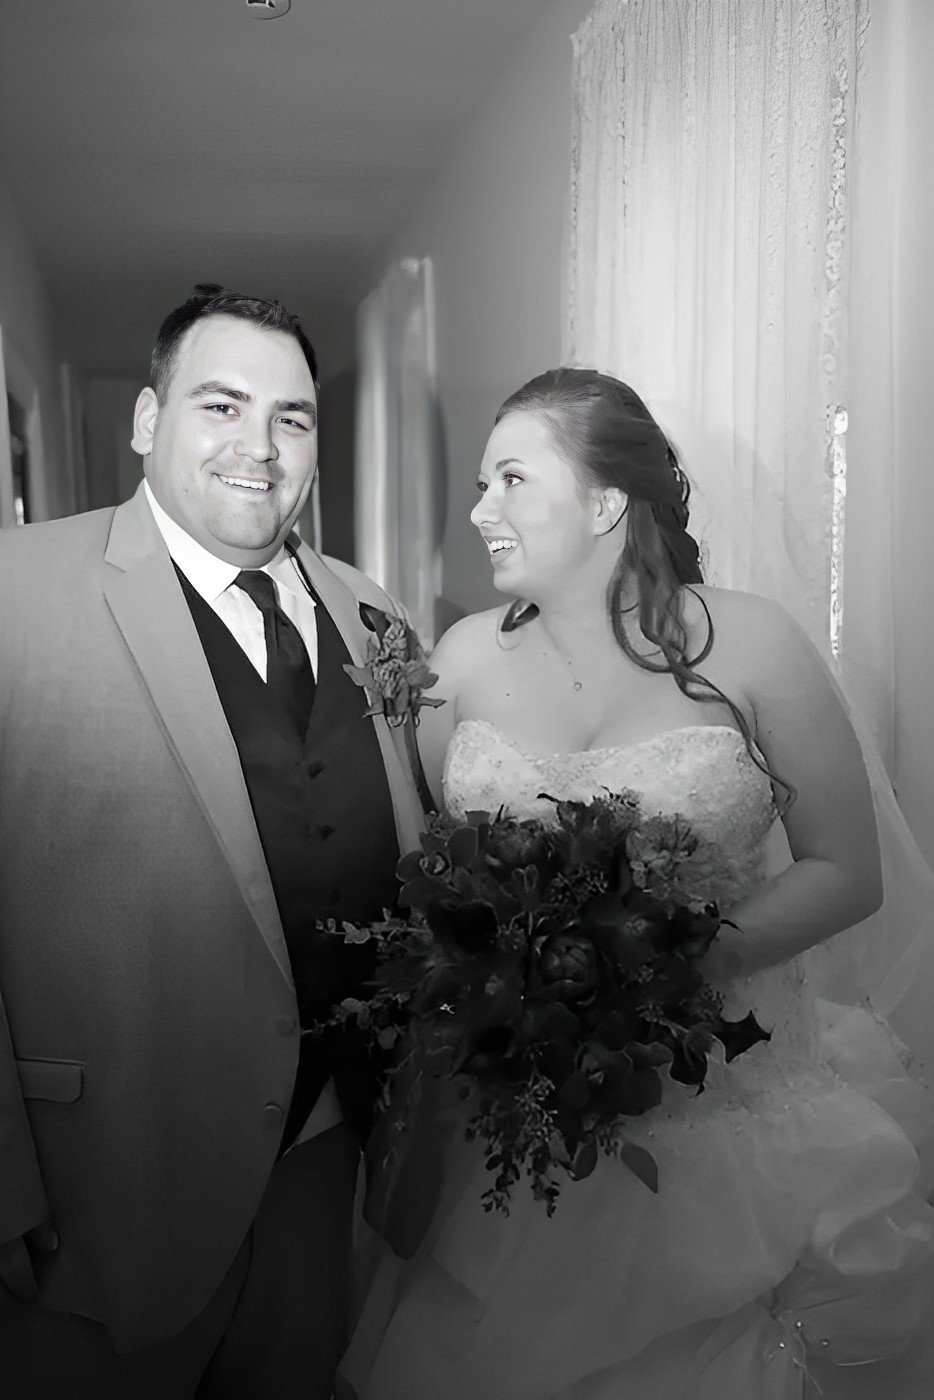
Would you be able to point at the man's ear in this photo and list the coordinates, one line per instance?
(144, 422)
(610, 508)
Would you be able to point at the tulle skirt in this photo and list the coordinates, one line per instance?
(786, 1232)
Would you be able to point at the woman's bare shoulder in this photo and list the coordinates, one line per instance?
(469, 641)
(739, 618)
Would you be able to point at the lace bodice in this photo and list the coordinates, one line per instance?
(703, 773)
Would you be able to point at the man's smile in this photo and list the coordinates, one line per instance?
(247, 483)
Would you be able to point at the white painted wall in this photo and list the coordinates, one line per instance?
(494, 225)
(114, 469)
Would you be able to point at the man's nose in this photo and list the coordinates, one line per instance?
(256, 440)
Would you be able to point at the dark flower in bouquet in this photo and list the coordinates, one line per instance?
(550, 969)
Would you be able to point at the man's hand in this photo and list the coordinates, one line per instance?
(16, 1271)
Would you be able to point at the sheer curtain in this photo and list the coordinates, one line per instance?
(715, 177)
(708, 259)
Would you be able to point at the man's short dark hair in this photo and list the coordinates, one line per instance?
(211, 299)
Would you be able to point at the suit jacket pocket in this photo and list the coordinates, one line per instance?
(56, 1081)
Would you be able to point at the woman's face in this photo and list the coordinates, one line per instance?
(531, 513)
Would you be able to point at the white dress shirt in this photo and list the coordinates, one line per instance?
(213, 578)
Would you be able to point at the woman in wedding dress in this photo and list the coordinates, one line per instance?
(785, 1228)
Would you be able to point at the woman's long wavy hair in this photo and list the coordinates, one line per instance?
(604, 430)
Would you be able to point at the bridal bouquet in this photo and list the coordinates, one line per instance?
(550, 969)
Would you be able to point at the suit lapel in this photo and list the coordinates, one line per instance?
(149, 608)
(344, 610)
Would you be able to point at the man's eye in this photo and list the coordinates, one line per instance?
(223, 410)
(294, 423)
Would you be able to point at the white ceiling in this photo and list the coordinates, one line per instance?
(151, 144)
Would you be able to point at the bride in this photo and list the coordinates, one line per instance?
(784, 1228)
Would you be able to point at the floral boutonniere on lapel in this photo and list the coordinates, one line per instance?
(395, 673)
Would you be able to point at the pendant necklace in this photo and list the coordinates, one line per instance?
(520, 613)
(578, 685)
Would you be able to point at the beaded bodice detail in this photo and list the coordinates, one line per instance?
(702, 773)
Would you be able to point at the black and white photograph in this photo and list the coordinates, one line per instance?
(466, 658)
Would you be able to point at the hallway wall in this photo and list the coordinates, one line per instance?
(494, 225)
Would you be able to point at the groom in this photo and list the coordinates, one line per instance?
(187, 783)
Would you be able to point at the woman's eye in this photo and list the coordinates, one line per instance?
(481, 487)
(510, 477)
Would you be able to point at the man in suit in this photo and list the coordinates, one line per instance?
(187, 783)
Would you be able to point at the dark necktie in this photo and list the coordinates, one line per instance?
(288, 669)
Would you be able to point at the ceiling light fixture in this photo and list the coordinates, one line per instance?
(268, 9)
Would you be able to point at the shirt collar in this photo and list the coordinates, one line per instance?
(206, 573)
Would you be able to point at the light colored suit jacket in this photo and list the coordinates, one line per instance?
(148, 1026)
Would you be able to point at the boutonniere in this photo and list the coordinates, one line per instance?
(395, 674)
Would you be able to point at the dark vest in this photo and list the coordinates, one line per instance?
(325, 819)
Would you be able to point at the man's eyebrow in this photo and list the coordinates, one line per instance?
(214, 386)
(297, 406)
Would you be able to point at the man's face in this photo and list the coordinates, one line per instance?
(230, 452)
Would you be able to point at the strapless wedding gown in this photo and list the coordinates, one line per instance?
(784, 1227)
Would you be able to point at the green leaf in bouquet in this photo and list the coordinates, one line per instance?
(609, 1075)
(689, 1061)
(618, 1028)
(463, 846)
(354, 934)
(651, 1056)
(641, 1163)
(480, 884)
(557, 1060)
(644, 1091)
(420, 892)
(574, 1092)
(570, 1127)
(584, 1160)
(739, 1036)
(525, 884)
(690, 932)
(673, 985)
(547, 1021)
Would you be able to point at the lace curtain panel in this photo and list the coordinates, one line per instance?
(708, 257)
(716, 191)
